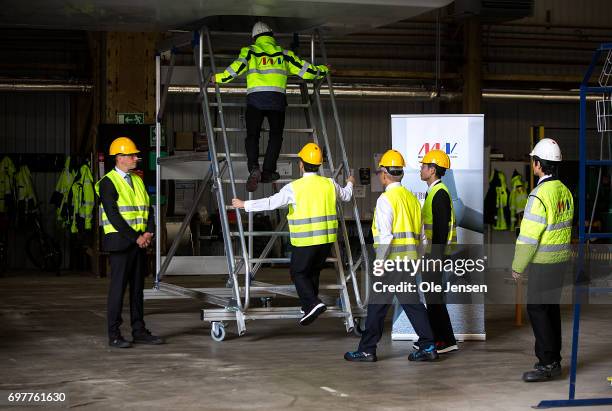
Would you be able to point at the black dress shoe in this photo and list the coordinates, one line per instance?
(269, 176)
(147, 338)
(119, 342)
(253, 180)
(543, 372)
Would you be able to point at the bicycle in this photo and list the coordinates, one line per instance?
(42, 249)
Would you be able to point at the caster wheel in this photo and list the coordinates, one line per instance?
(217, 331)
(358, 330)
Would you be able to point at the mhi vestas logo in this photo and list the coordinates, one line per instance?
(449, 148)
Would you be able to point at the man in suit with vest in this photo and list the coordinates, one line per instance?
(129, 224)
(396, 228)
(543, 244)
(313, 224)
(440, 235)
(267, 66)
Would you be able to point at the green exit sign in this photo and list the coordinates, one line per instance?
(152, 135)
(130, 118)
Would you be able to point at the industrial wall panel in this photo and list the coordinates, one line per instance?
(36, 123)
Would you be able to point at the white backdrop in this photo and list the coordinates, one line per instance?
(462, 138)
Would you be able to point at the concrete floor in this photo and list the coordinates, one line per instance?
(52, 337)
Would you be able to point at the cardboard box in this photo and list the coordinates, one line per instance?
(183, 140)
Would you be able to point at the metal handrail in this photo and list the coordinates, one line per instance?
(245, 253)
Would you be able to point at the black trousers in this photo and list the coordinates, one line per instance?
(254, 120)
(417, 314)
(306, 265)
(543, 295)
(437, 311)
(127, 267)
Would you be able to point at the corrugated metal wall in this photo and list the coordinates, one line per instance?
(36, 123)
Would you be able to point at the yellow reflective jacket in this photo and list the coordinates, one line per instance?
(546, 229)
(267, 66)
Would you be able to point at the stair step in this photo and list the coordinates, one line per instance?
(283, 260)
(243, 155)
(259, 233)
(243, 105)
(243, 181)
(241, 129)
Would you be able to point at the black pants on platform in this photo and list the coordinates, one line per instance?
(306, 265)
(545, 283)
(254, 120)
(416, 313)
(127, 267)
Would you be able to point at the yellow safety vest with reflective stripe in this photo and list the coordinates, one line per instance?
(546, 229)
(518, 199)
(406, 223)
(267, 66)
(82, 199)
(428, 217)
(133, 204)
(312, 220)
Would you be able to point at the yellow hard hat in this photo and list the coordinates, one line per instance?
(392, 158)
(122, 145)
(311, 154)
(437, 157)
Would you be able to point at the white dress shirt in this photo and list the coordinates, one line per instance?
(285, 197)
(544, 178)
(433, 184)
(121, 173)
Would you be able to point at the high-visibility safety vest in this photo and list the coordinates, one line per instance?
(313, 220)
(82, 199)
(25, 190)
(546, 229)
(267, 66)
(518, 199)
(406, 223)
(133, 204)
(428, 218)
(7, 184)
(63, 187)
(501, 202)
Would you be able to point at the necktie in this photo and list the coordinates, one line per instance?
(128, 178)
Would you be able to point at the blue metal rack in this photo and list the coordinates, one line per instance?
(585, 89)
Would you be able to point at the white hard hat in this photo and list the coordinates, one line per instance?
(547, 149)
(259, 28)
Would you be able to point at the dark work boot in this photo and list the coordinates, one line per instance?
(269, 176)
(543, 372)
(253, 180)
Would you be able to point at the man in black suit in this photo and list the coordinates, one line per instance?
(129, 224)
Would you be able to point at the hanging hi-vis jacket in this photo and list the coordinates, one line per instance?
(406, 224)
(501, 203)
(312, 219)
(82, 199)
(133, 203)
(546, 229)
(428, 219)
(26, 196)
(267, 66)
(7, 184)
(62, 192)
(518, 199)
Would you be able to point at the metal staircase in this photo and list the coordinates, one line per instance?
(218, 169)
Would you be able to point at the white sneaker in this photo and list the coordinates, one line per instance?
(313, 314)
